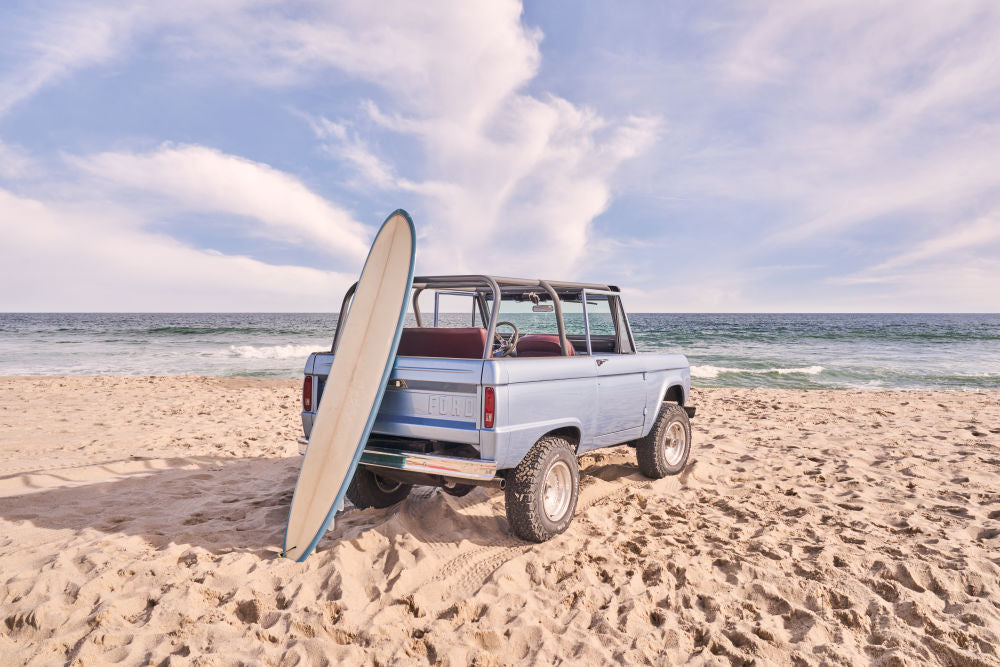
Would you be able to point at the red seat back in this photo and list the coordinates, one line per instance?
(541, 345)
(462, 343)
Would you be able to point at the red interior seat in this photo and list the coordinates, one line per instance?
(460, 343)
(541, 345)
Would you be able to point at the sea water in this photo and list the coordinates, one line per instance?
(869, 351)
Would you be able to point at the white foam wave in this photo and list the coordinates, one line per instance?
(271, 351)
(710, 372)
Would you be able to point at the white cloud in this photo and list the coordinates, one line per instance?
(967, 285)
(63, 258)
(952, 259)
(342, 143)
(871, 109)
(501, 169)
(15, 163)
(982, 232)
(447, 59)
(508, 182)
(69, 41)
(847, 131)
(205, 180)
(829, 123)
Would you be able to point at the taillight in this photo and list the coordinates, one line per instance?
(489, 407)
(307, 394)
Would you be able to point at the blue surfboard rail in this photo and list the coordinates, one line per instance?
(376, 404)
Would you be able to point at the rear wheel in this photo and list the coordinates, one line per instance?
(666, 449)
(370, 490)
(541, 492)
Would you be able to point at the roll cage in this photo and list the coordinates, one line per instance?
(489, 291)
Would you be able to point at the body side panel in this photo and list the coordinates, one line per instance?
(542, 394)
(621, 399)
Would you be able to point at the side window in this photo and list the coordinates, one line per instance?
(572, 312)
(599, 316)
(448, 309)
(606, 319)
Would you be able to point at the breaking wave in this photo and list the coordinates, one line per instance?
(709, 372)
(272, 351)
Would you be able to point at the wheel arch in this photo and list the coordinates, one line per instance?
(674, 393)
(571, 433)
(516, 443)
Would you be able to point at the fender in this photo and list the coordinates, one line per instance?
(510, 444)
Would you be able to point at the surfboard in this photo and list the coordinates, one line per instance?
(353, 393)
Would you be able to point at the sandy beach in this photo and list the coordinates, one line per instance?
(141, 520)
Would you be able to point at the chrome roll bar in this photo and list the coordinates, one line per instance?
(420, 283)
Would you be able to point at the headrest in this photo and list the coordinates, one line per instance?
(541, 345)
(459, 343)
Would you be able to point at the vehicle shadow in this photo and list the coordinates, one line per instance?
(225, 504)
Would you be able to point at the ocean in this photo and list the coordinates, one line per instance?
(807, 351)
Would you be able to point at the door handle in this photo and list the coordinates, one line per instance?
(601, 362)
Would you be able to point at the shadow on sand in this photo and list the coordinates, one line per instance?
(224, 504)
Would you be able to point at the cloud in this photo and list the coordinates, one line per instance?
(345, 144)
(844, 134)
(504, 176)
(70, 40)
(15, 162)
(949, 247)
(63, 258)
(201, 179)
(506, 181)
(981, 233)
(456, 60)
(857, 110)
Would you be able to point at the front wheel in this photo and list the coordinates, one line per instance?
(542, 490)
(666, 449)
(369, 490)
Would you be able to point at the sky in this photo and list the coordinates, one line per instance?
(239, 155)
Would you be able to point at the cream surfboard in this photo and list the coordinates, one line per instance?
(364, 357)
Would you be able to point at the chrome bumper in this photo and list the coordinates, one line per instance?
(428, 464)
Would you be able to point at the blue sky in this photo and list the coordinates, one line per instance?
(239, 155)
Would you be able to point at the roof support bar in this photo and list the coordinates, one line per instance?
(557, 304)
(493, 284)
(345, 308)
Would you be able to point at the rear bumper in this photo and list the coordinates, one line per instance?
(429, 464)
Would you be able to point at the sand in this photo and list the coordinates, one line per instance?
(141, 520)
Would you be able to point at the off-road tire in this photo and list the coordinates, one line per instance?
(652, 451)
(525, 490)
(369, 490)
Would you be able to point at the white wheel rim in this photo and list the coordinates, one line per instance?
(674, 444)
(557, 491)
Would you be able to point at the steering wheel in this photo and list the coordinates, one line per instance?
(504, 345)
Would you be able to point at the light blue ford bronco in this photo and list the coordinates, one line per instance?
(507, 393)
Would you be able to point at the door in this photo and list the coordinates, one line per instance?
(621, 397)
(621, 377)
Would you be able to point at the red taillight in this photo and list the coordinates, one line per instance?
(307, 394)
(489, 407)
